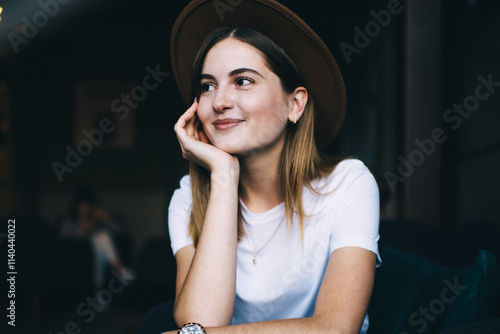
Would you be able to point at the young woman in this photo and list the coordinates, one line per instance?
(269, 235)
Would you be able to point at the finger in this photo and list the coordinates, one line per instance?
(193, 107)
(203, 136)
(190, 129)
(181, 123)
(188, 114)
(193, 125)
(196, 127)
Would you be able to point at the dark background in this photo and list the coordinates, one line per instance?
(399, 86)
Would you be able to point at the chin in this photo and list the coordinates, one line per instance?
(228, 144)
(229, 148)
(233, 147)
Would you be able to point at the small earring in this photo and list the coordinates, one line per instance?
(294, 119)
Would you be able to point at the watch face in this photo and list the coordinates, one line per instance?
(192, 329)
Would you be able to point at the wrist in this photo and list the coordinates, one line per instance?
(226, 175)
(228, 163)
(192, 328)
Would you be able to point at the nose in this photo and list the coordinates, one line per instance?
(223, 100)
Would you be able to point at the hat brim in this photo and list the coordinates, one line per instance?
(313, 58)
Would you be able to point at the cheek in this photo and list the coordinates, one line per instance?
(203, 113)
(271, 111)
(269, 120)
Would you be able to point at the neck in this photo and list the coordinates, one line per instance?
(259, 178)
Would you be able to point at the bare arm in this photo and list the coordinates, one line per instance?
(206, 293)
(341, 304)
(206, 279)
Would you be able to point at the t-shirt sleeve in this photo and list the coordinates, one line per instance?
(179, 211)
(356, 219)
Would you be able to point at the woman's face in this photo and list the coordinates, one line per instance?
(242, 105)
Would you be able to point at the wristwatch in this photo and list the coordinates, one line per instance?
(192, 328)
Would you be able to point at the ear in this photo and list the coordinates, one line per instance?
(299, 99)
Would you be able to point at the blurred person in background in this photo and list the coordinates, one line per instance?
(87, 220)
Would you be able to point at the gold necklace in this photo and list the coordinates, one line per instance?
(251, 248)
(268, 241)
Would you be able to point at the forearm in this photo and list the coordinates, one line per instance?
(208, 293)
(313, 324)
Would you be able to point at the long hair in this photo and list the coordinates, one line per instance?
(301, 161)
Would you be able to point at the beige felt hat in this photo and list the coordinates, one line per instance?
(315, 62)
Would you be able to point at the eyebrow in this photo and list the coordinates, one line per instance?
(232, 73)
(242, 70)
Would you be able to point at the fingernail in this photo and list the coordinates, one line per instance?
(195, 100)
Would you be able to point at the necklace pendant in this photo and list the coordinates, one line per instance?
(254, 260)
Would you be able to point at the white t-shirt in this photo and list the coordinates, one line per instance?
(285, 281)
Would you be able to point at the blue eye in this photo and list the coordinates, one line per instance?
(243, 81)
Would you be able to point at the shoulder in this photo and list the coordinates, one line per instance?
(182, 196)
(349, 182)
(178, 215)
(347, 173)
(352, 167)
(185, 182)
(184, 185)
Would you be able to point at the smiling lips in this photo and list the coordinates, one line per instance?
(226, 123)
